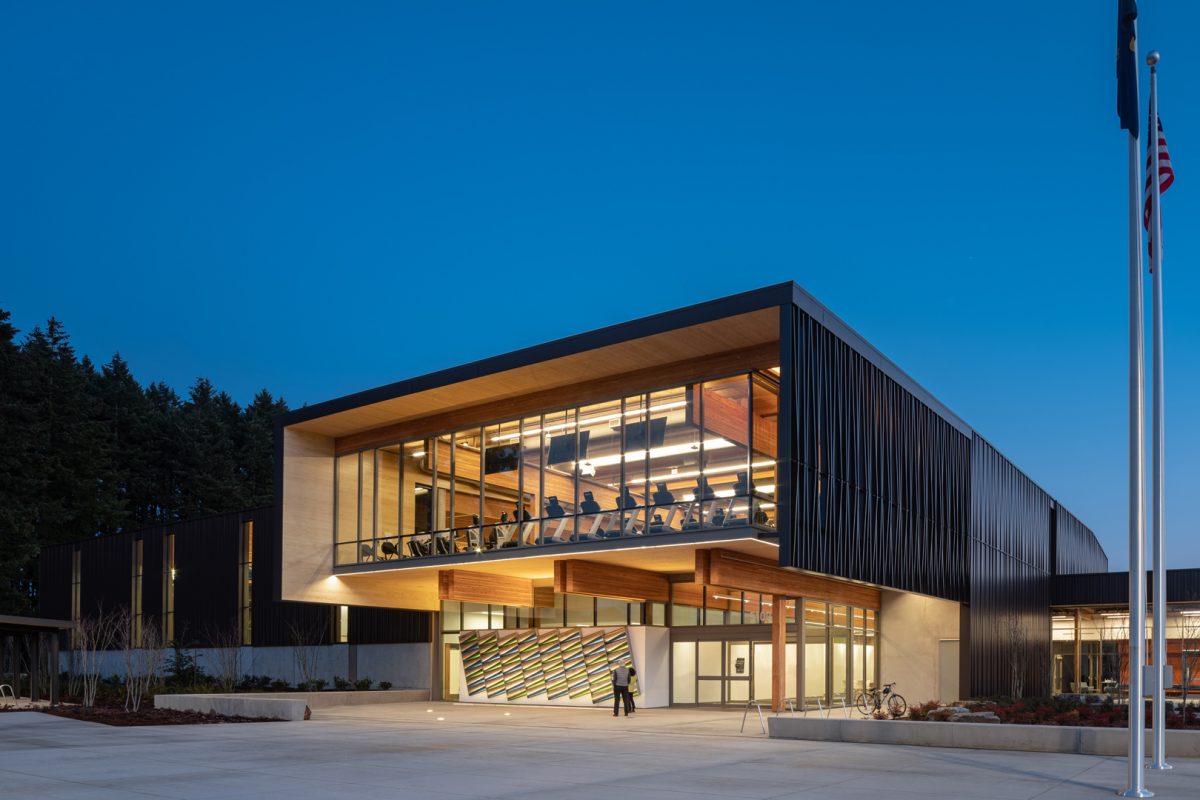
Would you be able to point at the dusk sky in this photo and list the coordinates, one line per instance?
(320, 198)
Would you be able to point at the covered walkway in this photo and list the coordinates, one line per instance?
(29, 658)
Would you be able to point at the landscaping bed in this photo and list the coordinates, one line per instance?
(146, 716)
(117, 716)
(1047, 711)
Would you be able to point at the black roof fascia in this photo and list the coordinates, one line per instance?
(1112, 588)
(743, 303)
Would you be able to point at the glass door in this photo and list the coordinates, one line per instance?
(739, 669)
(720, 672)
(451, 669)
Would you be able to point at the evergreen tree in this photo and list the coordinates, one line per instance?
(88, 452)
(256, 450)
(210, 475)
(126, 414)
(17, 540)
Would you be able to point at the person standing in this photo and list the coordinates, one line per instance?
(621, 677)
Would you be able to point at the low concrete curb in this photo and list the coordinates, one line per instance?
(284, 705)
(977, 736)
(317, 700)
(235, 706)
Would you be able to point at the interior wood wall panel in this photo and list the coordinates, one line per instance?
(539, 400)
(576, 576)
(481, 587)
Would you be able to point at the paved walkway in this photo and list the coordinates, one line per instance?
(457, 751)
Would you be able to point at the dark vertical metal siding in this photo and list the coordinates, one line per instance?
(105, 572)
(386, 625)
(1010, 573)
(206, 578)
(207, 585)
(54, 582)
(276, 623)
(1076, 547)
(152, 574)
(882, 483)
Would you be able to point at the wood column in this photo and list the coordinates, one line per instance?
(778, 652)
(1079, 655)
(55, 689)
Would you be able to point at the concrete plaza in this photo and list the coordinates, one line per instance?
(444, 750)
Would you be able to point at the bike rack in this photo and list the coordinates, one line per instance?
(758, 704)
(11, 694)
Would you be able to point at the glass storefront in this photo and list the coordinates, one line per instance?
(693, 457)
(720, 641)
(1090, 650)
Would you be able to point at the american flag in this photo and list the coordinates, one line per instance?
(1166, 176)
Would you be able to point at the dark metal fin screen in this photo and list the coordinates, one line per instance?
(880, 482)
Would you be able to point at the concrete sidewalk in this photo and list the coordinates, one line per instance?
(401, 751)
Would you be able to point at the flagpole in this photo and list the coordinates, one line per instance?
(1137, 466)
(1159, 641)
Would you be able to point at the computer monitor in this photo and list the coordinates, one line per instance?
(565, 448)
(635, 434)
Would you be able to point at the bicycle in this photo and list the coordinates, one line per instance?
(873, 700)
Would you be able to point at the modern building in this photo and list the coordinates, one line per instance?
(743, 497)
(212, 583)
(1090, 633)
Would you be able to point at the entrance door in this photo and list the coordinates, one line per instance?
(720, 672)
(451, 668)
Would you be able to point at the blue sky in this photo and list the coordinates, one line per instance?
(324, 197)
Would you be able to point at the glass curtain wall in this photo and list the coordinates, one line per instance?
(693, 457)
(1090, 651)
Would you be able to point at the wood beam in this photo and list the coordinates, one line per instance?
(741, 571)
(543, 597)
(779, 652)
(479, 587)
(574, 576)
(746, 358)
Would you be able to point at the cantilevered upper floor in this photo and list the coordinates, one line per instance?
(759, 423)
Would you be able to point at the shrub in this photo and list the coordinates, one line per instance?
(881, 714)
(385, 685)
(318, 684)
(280, 685)
(254, 683)
(920, 712)
(341, 684)
(363, 684)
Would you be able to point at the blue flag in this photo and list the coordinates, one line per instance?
(1127, 76)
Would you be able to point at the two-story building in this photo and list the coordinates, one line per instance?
(743, 497)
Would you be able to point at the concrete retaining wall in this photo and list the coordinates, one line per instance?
(251, 704)
(316, 700)
(977, 736)
(235, 706)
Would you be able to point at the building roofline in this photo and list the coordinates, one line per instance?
(859, 344)
(754, 300)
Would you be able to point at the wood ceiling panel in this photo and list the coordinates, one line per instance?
(709, 338)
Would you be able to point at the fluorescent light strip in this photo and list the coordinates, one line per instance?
(606, 418)
(658, 452)
(698, 472)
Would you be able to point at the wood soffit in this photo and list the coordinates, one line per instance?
(721, 345)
